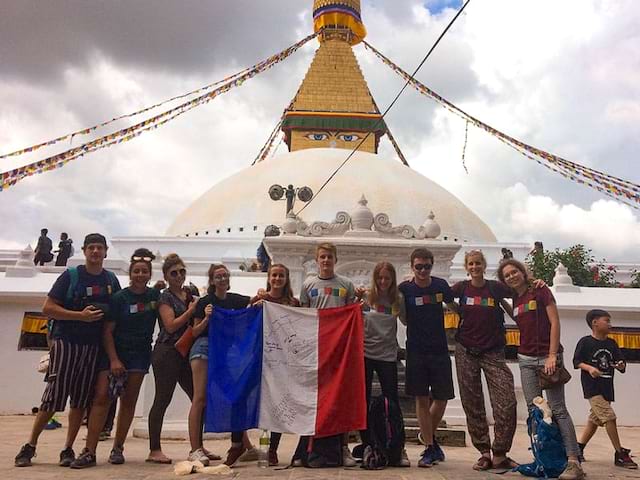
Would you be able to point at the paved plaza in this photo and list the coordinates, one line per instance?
(14, 430)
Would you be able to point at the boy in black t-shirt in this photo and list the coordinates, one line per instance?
(599, 357)
(428, 376)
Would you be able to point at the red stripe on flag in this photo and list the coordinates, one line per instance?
(341, 391)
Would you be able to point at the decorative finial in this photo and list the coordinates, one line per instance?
(338, 19)
(24, 266)
(562, 281)
(362, 216)
(430, 227)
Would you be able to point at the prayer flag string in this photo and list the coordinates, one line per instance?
(11, 177)
(619, 189)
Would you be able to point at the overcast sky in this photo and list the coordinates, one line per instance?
(563, 75)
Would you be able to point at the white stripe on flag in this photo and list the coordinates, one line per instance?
(289, 388)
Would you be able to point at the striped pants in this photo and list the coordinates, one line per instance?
(501, 393)
(72, 373)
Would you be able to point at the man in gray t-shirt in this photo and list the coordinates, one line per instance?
(328, 290)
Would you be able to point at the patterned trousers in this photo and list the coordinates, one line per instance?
(501, 393)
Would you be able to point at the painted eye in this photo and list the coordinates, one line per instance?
(348, 138)
(317, 137)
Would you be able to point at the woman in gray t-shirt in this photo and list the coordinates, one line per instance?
(383, 306)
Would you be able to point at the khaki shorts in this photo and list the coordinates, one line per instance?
(601, 411)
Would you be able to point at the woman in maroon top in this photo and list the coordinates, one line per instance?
(480, 348)
(278, 291)
(536, 314)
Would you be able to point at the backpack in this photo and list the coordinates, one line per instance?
(386, 434)
(73, 298)
(319, 452)
(497, 309)
(549, 454)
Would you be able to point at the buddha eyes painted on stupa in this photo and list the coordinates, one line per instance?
(321, 137)
(348, 137)
(318, 137)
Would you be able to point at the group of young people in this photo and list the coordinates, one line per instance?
(102, 348)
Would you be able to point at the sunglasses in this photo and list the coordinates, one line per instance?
(174, 273)
(141, 259)
(422, 266)
(224, 276)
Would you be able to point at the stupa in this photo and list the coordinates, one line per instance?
(332, 111)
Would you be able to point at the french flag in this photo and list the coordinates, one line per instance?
(285, 369)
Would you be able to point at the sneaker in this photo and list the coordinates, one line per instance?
(581, 446)
(428, 458)
(105, 435)
(404, 459)
(85, 460)
(27, 452)
(210, 455)
(67, 456)
(272, 455)
(233, 454)
(250, 455)
(347, 458)
(572, 472)
(116, 457)
(199, 456)
(51, 425)
(297, 462)
(623, 459)
(358, 451)
(438, 450)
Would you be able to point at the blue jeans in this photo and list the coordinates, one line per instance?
(200, 349)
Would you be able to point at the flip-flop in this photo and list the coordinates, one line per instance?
(482, 464)
(506, 464)
(160, 461)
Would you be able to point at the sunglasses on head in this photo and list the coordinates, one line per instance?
(423, 266)
(174, 273)
(141, 259)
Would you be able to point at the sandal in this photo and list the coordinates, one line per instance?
(506, 464)
(159, 460)
(482, 464)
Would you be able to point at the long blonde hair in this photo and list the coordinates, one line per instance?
(393, 293)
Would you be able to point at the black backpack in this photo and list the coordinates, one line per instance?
(386, 434)
(323, 452)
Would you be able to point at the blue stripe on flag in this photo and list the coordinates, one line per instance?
(235, 370)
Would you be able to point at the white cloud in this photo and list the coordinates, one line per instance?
(559, 75)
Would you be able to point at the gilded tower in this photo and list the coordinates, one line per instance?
(333, 107)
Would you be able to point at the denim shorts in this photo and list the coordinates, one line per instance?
(200, 349)
(138, 362)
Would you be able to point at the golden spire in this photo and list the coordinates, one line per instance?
(333, 106)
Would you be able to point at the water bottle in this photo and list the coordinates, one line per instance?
(263, 453)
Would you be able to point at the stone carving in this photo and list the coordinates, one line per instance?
(383, 225)
(361, 223)
(339, 226)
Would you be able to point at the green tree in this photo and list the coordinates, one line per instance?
(581, 266)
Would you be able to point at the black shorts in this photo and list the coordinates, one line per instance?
(428, 374)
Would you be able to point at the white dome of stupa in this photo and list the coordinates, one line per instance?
(240, 204)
